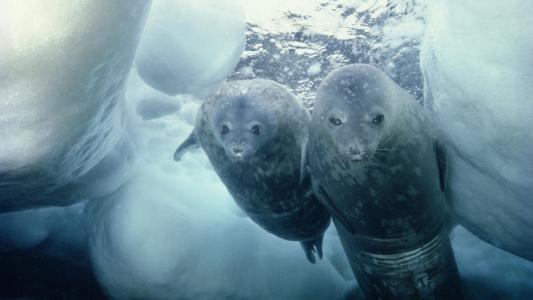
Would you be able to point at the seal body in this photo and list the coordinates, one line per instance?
(376, 166)
(254, 134)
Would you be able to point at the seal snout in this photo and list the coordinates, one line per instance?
(356, 153)
(237, 150)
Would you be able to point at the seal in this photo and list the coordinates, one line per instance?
(254, 133)
(378, 168)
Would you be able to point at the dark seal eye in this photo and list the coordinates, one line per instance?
(378, 119)
(335, 121)
(224, 129)
(256, 129)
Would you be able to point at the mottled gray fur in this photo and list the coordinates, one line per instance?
(254, 133)
(374, 164)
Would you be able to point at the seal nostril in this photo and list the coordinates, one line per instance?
(355, 153)
(354, 150)
(238, 149)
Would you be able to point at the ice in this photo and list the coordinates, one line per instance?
(314, 69)
(61, 84)
(188, 46)
(148, 244)
(24, 230)
(150, 108)
(401, 31)
(479, 72)
(149, 103)
(488, 272)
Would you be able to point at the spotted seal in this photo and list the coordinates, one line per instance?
(378, 168)
(254, 133)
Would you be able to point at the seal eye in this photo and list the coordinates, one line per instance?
(378, 119)
(335, 121)
(256, 129)
(224, 129)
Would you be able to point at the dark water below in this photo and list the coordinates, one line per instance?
(33, 275)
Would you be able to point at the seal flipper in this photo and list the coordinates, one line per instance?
(189, 144)
(309, 251)
(442, 162)
(318, 246)
(324, 198)
(312, 247)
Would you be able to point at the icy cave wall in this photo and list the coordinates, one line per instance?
(62, 90)
(479, 72)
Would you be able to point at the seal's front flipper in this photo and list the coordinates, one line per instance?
(313, 247)
(442, 162)
(189, 144)
(324, 198)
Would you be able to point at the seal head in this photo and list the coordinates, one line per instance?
(359, 115)
(241, 127)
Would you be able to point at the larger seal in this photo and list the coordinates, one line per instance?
(377, 167)
(254, 134)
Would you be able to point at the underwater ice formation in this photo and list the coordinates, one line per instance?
(62, 86)
(478, 64)
(23, 230)
(189, 45)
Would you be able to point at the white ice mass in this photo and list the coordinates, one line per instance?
(61, 87)
(190, 45)
(80, 120)
(478, 63)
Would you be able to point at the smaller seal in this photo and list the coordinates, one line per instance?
(254, 133)
(378, 168)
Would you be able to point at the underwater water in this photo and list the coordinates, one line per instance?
(95, 97)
